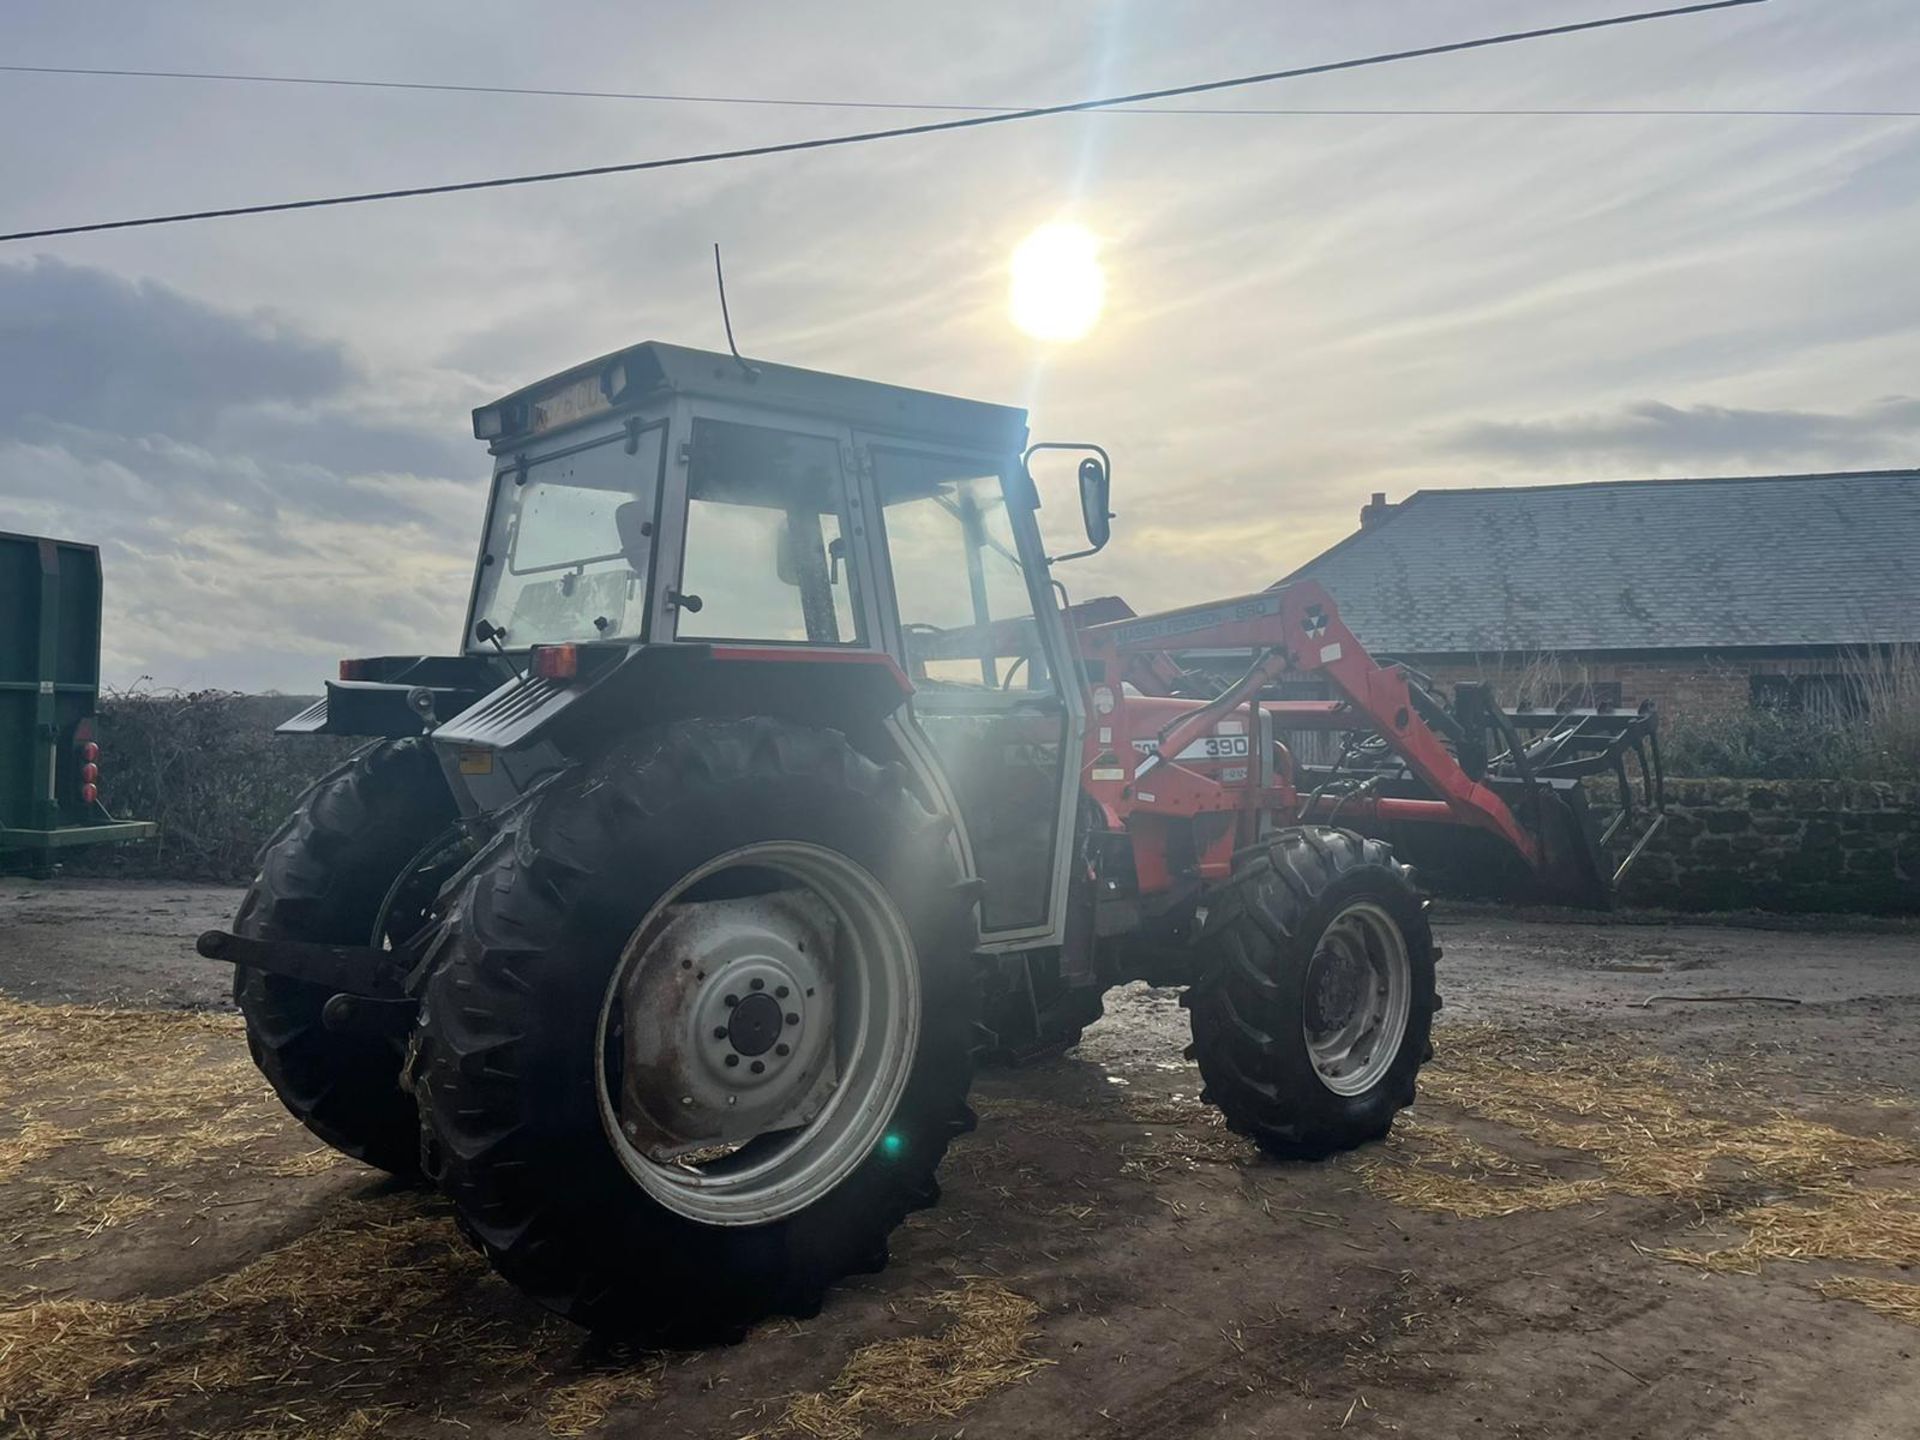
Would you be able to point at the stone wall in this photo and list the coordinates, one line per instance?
(1783, 845)
(1680, 684)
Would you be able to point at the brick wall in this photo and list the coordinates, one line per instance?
(1783, 845)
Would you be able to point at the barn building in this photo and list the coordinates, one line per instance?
(1701, 595)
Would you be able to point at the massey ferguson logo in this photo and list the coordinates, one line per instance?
(1315, 623)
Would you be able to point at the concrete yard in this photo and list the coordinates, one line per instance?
(1523, 1258)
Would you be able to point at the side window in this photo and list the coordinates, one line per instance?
(965, 610)
(766, 551)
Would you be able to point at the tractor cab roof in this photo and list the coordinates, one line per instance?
(652, 373)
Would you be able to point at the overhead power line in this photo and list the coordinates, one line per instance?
(673, 97)
(899, 132)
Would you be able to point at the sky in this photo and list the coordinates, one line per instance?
(264, 422)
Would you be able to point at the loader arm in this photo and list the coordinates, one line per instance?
(1296, 629)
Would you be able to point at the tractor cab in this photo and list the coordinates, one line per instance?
(801, 528)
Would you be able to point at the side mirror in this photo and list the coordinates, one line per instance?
(1095, 488)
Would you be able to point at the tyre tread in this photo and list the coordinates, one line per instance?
(1245, 1028)
(490, 995)
(322, 877)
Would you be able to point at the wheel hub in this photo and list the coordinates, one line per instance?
(718, 1112)
(1341, 976)
(728, 1020)
(755, 1025)
(1359, 993)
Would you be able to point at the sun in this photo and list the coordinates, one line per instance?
(1058, 285)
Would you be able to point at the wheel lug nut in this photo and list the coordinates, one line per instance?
(732, 1000)
(779, 992)
(758, 1066)
(792, 1019)
(783, 1049)
(733, 1059)
(719, 1032)
(759, 984)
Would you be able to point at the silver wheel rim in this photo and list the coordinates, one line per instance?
(810, 982)
(1359, 993)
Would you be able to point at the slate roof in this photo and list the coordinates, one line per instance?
(1636, 564)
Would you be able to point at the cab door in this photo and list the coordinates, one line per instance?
(968, 611)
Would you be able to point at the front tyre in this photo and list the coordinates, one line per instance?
(1315, 997)
(701, 1030)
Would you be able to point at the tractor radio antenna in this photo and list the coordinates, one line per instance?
(720, 279)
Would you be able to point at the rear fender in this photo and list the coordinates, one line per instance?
(512, 737)
(391, 696)
(653, 683)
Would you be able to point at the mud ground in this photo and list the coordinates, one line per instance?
(176, 1257)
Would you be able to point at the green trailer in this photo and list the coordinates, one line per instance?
(49, 690)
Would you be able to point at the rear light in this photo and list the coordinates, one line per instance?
(355, 669)
(556, 662)
(86, 750)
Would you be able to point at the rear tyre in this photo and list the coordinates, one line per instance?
(1315, 996)
(324, 878)
(673, 888)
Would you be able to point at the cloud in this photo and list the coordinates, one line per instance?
(81, 345)
(262, 504)
(1302, 310)
(1650, 433)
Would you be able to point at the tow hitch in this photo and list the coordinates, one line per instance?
(367, 997)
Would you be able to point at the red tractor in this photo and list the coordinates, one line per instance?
(777, 782)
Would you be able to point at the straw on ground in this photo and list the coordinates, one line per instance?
(1625, 1116)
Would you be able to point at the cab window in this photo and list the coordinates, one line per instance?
(965, 611)
(568, 544)
(766, 548)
